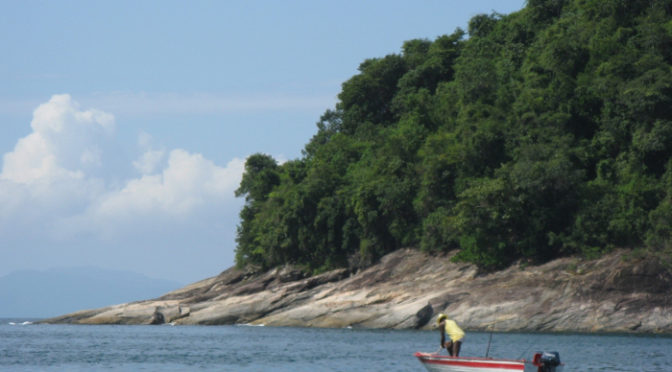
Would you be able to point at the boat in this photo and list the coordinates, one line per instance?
(541, 362)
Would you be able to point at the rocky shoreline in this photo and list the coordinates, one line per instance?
(408, 289)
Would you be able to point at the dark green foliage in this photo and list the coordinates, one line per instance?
(547, 132)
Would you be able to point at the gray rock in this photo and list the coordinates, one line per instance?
(408, 289)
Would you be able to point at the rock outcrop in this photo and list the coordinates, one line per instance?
(407, 289)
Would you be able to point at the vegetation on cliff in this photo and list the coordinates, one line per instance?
(543, 133)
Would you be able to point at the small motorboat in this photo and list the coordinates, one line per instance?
(541, 362)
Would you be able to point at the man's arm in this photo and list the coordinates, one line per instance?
(442, 325)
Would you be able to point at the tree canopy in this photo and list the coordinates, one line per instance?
(544, 133)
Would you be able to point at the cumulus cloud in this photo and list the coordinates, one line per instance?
(149, 161)
(188, 181)
(65, 142)
(51, 179)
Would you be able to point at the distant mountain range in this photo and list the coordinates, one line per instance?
(48, 293)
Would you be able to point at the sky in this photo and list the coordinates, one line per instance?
(125, 125)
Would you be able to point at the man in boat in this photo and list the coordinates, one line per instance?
(448, 326)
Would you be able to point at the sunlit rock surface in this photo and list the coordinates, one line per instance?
(408, 289)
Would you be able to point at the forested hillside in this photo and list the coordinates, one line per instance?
(542, 133)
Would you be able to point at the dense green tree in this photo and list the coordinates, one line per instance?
(546, 132)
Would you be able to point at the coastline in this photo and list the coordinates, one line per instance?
(407, 289)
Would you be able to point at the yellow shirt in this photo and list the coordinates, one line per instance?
(453, 330)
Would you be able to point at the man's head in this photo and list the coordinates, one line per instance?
(441, 318)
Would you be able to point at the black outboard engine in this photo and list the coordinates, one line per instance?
(548, 361)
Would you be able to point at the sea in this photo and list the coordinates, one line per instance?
(26, 346)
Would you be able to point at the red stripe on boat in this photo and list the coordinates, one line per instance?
(518, 365)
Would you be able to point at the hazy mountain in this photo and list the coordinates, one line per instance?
(39, 294)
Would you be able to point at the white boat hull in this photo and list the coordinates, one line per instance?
(444, 363)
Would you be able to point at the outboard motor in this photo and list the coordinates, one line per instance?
(547, 361)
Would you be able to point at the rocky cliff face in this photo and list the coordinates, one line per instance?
(408, 289)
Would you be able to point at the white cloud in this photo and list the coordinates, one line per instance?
(149, 161)
(189, 181)
(65, 142)
(49, 185)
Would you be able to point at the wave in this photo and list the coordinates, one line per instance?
(22, 323)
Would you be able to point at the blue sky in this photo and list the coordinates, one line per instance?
(124, 125)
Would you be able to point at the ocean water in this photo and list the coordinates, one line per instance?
(36, 347)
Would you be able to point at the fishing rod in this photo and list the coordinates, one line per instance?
(487, 351)
(523, 353)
